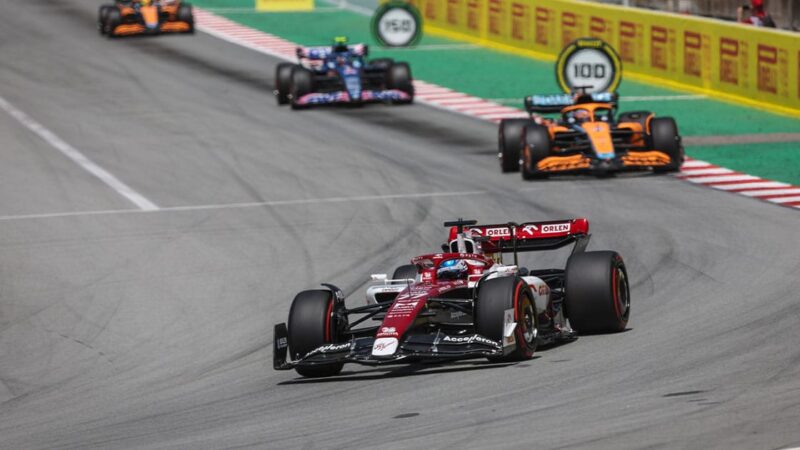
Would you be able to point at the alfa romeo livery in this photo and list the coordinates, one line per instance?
(464, 302)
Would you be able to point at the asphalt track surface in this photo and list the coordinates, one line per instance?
(132, 329)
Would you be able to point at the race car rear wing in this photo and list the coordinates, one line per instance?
(529, 236)
(544, 104)
(320, 53)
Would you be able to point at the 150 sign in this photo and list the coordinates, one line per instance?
(397, 24)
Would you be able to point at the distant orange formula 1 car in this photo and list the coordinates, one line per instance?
(137, 17)
(587, 137)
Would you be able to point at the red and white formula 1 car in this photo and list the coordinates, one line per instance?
(463, 303)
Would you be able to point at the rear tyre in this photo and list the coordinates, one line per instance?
(381, 63)
(639, 117)
(186, 14)
(283, 82)
(597, 297)
(664, 137)
(398, 76)
(302, 84)
(311, 326)
(497, 295)
(535, 147)
(404, 272)
(509, 143)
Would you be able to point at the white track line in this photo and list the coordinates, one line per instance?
(273, 203)
(78, 158)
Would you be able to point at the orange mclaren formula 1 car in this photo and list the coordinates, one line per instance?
(137, 17)
(587, 137)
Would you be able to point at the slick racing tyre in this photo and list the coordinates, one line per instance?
(311, 326)
(283, 82)
(639, 117)
(398, 76)
(405, 272)
(535, 147)
(302, 84)
(497, 295)
(509, 143)
(664, 137)
(597, 296)
(381, 63)
(102, 15)
(113, 19)
(186, 14)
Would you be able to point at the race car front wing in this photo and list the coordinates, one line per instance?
(425, 347)
(329, 98)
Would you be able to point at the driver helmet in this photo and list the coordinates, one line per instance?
(453, 269)
(580, 116)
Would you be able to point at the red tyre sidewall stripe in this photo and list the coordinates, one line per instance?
(518, 330)
(328, 321)
(516, 301)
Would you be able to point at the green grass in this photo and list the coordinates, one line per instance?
(771, 161)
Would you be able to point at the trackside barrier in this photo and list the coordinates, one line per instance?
(754, 66)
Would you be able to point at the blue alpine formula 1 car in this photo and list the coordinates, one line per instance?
(340, 74)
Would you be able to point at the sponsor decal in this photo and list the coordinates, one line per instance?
(729, 60)
(384, 346)
(495, 17)
(542, 25)
(570, 28)
(388, 330)
(473, 14)
(530, 229)
(658, 47)
(767, 73)
(471, 339)
(692, 54)
(332, 348)
(628, 41)
(453, 12)
(509, 324)
(503, 231)
(283, 342)
(556, 228)
(457, 314)
(519, 21)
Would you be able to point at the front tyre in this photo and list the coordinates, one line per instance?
(497, 295)
(302, 84)
(186, 14)
(597, 296)
(311, 325)
(664, 137)
(283, 82)
(535, 148)
(398, 76)
(509, 143)
(102, 15)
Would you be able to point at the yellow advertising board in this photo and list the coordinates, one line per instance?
(756, 66)
(284, 5)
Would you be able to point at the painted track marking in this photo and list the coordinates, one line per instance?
(272, 203)
(78, 157)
